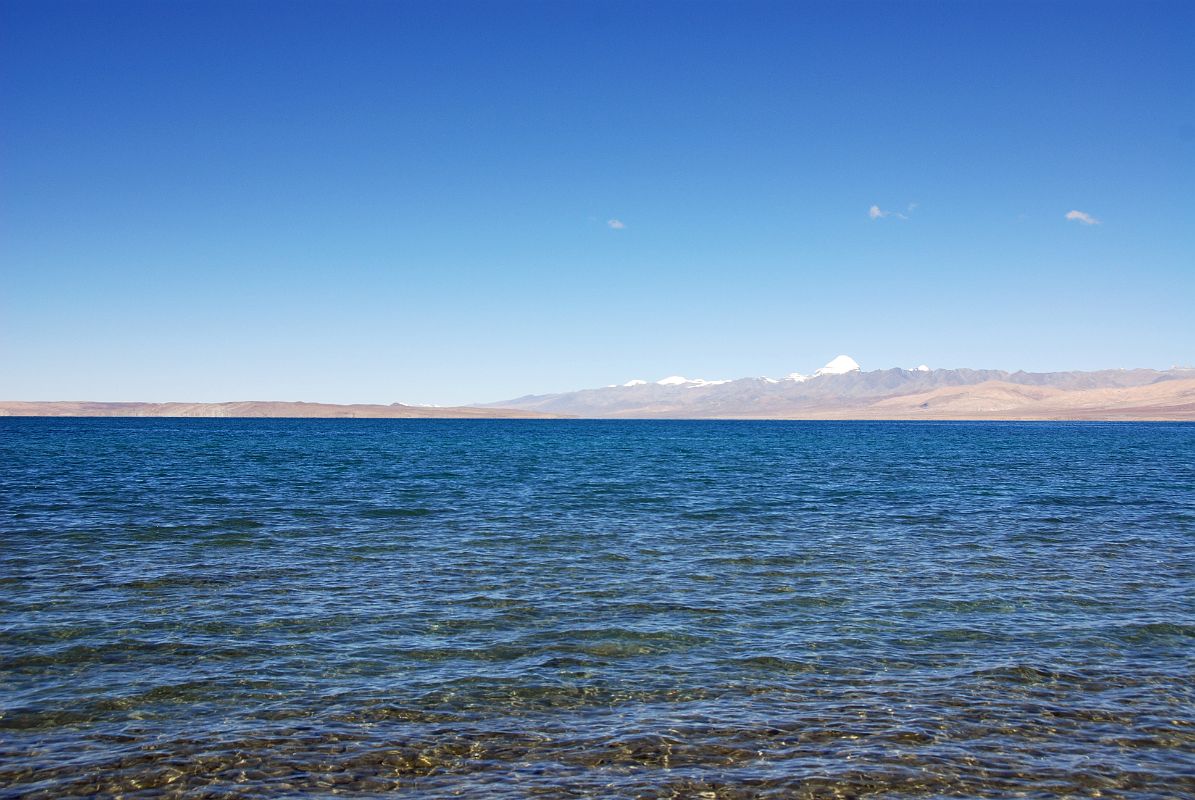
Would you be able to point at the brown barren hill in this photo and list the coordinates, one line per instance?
(259, 409)
(1161, 401)
(989, 397)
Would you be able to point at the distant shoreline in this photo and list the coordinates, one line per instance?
(301, 410)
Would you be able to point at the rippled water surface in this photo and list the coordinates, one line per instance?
(607, 609)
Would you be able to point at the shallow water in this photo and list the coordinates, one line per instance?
(609, 609)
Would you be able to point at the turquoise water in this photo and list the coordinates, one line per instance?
(609, 609)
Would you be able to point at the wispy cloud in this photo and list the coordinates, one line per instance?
(1083, 217)
(875, 212)
(616, 224)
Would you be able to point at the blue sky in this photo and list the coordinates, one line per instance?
(380, 202)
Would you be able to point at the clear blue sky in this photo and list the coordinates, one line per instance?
(379, 202)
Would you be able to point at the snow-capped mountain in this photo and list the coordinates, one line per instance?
(839, 365)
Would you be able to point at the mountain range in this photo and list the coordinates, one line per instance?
(838, 390)
(842, 390)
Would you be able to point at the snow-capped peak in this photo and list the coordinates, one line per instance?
(922, 368)
(678, 380)
(838, 366)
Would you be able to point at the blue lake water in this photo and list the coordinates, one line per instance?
(610, 609)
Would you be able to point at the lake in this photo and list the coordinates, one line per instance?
(551, 608)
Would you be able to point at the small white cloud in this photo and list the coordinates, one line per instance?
(1083, 217)
(875, 212)
(616, 224)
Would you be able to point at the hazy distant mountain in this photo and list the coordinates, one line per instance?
(842, 390)
(253, 408)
